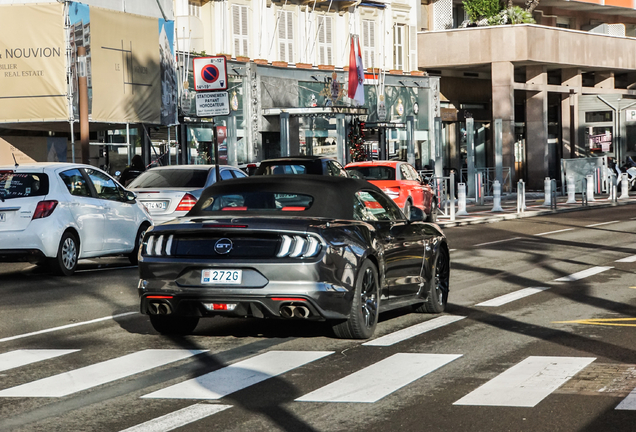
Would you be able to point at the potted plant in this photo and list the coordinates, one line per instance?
(278, 63)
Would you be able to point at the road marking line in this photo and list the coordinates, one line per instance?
(583, 274)
(417, 329)
(178, 418)
(554, 232)
(629, 403)
(527, 383)
(498, 241)
(238, 376)
(97, 374)
(452, 250)
(629, 259)
(602, 223)
(17, 358)
(64, 327)
(601, 321)
(510, 297)
(380, 379)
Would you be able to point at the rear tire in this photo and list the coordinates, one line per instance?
(65, 263)
(432, 216)
(407, 209)
(365, 307)
(174, 325)
(437, 295)
(133, 257)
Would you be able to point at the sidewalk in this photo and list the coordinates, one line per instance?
(479, 214)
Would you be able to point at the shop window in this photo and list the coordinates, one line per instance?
(598, 116)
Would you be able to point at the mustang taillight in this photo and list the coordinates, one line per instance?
(298, 246)
(44, 209)
(187, 202)
(158, 245)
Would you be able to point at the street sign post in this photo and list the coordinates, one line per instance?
(210, 73)
(210, 104)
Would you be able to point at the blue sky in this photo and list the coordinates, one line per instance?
(79, 12)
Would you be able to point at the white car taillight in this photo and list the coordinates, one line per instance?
(187, 202)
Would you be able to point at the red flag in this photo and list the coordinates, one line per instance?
(353, 72)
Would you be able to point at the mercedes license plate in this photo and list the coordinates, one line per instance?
(221, 277)
(156, 205)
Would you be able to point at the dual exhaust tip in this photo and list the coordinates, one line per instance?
(159, 308)
(290, 311)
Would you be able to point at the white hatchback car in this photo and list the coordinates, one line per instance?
(57, 213)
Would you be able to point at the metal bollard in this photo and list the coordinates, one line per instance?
(553, 194)
(624, 186)
(571, 191)
(452, 196)
(479, 189)
(461, 200)
(496, 201)
(584, 191)
(547, 194)
(521, 196)
(590, 188)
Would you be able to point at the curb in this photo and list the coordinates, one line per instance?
(526, 214)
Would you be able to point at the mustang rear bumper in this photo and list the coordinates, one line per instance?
(323, 301)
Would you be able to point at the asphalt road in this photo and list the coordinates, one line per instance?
(557, 354)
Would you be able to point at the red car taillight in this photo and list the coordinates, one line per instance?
(187, 202)
(44, 209)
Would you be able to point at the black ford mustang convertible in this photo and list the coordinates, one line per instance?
(292, 247)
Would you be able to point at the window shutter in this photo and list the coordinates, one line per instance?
(413, 47)
(328, 39)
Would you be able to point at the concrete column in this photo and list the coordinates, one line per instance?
(569, 105)
(284, 134)
(604, 80)
(503, 103)
(537, 127)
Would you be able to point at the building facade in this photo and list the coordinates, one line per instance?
(562, 87)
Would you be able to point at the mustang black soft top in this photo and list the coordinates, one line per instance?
(333, 196)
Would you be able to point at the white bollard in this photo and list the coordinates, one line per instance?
(590, 188)
(571, 191)
(521, 196)
(461, 200)
(496, 201)
(624, 186)
(547, 195)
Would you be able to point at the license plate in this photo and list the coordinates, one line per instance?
(221, 277)
(156, 205)
(3, 217)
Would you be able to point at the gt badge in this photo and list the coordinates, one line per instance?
(223, 246)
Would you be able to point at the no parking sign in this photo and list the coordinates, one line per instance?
(210, 73)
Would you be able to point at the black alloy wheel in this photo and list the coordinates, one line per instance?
(365, 307)
(133, 257)
(65, 263)
(173, 325)
(437, 295)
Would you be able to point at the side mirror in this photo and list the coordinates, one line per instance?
(130, 195)
(416, 215)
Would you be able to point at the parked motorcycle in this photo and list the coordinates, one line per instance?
(629, 168)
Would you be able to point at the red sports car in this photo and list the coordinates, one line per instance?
(400, 181)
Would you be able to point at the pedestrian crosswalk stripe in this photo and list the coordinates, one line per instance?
(14, 359)
(238, 376)
(629, 259)
(527, 383)
(409, 332)
(97, 374)
(380, 379)
(178, 418)
(629, 403)
(510, 297)
(583, 274)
